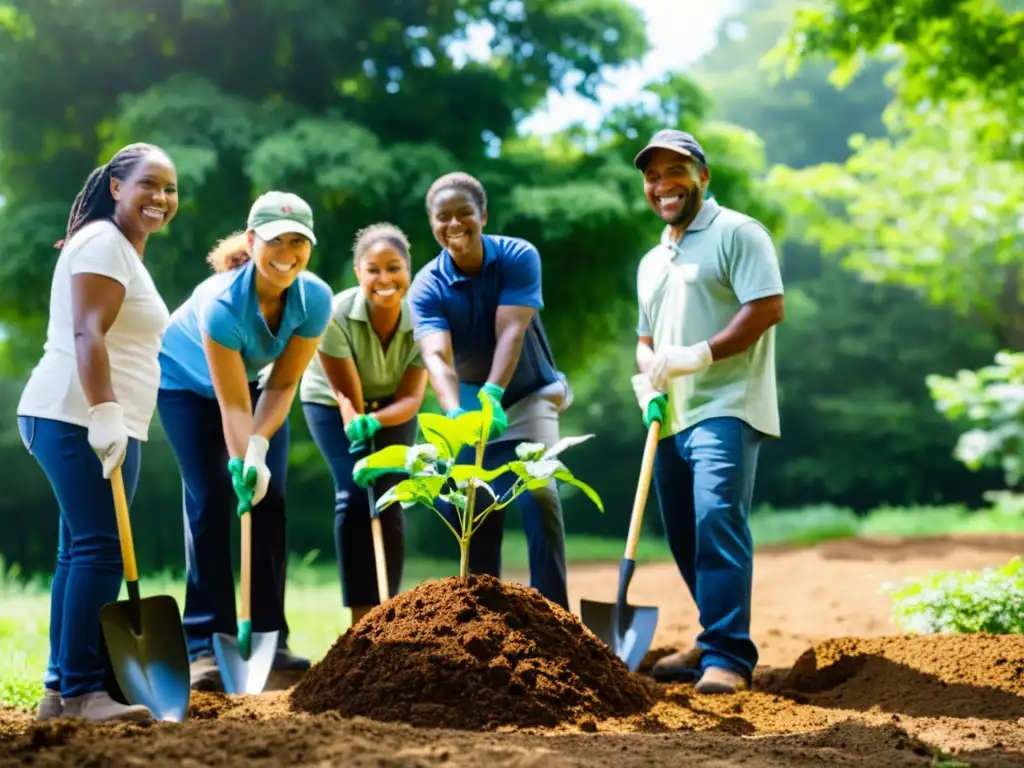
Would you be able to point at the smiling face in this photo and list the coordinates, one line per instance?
(282, 258)
(457, 223)
(674, 186)
(148, 197)
(384, 275)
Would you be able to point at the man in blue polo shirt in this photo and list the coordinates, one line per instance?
(475, 318)
(710, 294)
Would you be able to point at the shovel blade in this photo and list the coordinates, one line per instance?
(150, 667)
(627, 629)
(240, 674)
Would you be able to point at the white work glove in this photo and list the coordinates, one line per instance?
(256, 457)
(108, 435)
(645, 391)
(679, 361)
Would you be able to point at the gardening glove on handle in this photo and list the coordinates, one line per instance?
(499, 421)
(256, 459)
(108, 436)
(653, 403)
(676, 361)
(243, 485)
(360, 431)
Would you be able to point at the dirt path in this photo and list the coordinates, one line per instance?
(835, 687)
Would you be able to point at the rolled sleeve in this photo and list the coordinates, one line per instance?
(752, 264)
(334, 342)
(426, 309)
(318, 310)
(643, 323)
(220, 324)
(521, 279)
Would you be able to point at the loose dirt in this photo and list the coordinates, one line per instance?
(471, 654)
(836, 686)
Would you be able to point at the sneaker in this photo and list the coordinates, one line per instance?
(286, 661)
(100, 707)
(678, 667)
(721, 680)
(50, 706)
(204, 675)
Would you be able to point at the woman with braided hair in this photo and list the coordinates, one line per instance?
(366, 385)
(87, 408)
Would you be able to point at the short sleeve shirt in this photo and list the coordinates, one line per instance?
(54, 390)
(225, 307)
(442, 298)
(350, 334)
(689, 291)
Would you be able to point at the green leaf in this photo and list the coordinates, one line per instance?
(486, 415)
(530, 451)
(565, 476)
(443, 433)
(564, 444)
(413, 490)
(463, 472)
(392, 457)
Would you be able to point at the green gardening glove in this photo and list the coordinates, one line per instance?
(499, 421)
(657, 410)
(360, 431)
(244, 486)
(363, 475)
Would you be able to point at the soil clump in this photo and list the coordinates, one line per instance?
(471, 654)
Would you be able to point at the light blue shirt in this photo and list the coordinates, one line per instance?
(226, 308)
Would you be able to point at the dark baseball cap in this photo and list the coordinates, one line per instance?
(673, 140)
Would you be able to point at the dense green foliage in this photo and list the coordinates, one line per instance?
(359, 106)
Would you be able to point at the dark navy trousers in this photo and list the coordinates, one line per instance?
(193, 426)
(89, 569)
(704, 481)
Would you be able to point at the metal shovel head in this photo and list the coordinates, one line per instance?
(151, 666)
(627, 629)
(238, 673)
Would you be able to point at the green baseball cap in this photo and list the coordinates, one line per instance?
(275, 213)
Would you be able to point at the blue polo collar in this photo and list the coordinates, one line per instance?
(295, 296)
(452, 274)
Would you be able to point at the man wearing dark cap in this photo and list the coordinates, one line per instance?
(710, 294)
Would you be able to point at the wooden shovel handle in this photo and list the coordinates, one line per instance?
(246, 566)
(378, 553)
(643, 485)
(124, 526)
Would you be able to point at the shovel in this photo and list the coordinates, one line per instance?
(383, 593)
(144, 637)
(245, 661)
(627, 629)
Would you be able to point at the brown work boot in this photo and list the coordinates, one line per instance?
(204, 675)
(678, 667)
(100, 707)
(721, 680)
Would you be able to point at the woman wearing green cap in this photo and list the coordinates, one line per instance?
(261, 308)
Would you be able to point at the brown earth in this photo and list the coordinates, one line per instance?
(836, 687)
(520, 659)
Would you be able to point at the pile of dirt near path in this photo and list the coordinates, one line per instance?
(473, 654)
(918, 675)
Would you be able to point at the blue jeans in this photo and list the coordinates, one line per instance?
(541, 513)
(193, 426)
(353, 539)
(89, 568)
(704, 482)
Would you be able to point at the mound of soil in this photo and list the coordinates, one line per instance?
(919, 675)
(471, 654)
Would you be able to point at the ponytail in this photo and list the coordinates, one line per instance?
(230, 253)
(94, 201)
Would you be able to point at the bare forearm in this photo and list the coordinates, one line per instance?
(272, 409)
(237, 423)
(743, 331)
(506, 357)
(444, 380)
(399, 412)
(348, 409)
(94, 367)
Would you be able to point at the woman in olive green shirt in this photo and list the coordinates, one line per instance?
(366, 384)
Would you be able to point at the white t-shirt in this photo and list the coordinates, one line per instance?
(54, 390)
